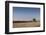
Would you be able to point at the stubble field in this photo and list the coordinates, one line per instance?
(26, 24)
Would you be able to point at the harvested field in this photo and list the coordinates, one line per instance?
(26, 24)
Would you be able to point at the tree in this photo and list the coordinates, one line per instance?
(34, 19)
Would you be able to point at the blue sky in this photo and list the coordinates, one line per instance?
(25, 13)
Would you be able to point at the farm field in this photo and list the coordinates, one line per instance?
(26, 24)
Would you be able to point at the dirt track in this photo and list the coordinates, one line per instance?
(28, 24)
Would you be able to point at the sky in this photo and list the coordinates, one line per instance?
(25, 13)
